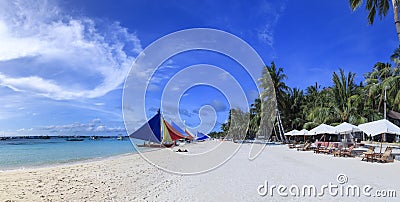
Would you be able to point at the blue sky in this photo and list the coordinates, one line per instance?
(63, 63)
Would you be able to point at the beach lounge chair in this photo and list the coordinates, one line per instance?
(348, 152)
(338, 153)
(305, 148)
(368, 155)
(317, 149)
(328, 150)
(293, 145)
(386, 156)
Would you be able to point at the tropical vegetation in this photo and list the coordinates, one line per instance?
(381, 7)
(343, 101)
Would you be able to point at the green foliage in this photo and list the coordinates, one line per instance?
(344, 101)
(372, 6)
(217, 135)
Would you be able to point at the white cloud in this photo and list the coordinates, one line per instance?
(75, 46)
(100, 128)
(218, 105)
(25, 130)
(39, 86)
(272, 13)
(96, 120)
(96, 126)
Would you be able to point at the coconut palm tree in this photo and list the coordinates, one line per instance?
(323, 111)
(360, 112)
(380, 6)
(318, 106)
(375, 80)
(238, 124)
(277, 76)
(255, 118)
(372, 89)
(343, 90)
(295, 118)
(395, 57)
(383, 76)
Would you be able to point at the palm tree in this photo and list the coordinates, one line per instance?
(277, 76)
(255, 118)
(383, 76)
(294, 114)
(360, 112)
(318, 106)
(323, 109)
(343, 90)
(239, 124)
(372, 88)
(379, 79)
(349, 99)
(395, 57)
(380, 6)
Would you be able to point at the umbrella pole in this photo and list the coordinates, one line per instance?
(380, 151)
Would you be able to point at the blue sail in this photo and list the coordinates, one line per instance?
(150, 131)
(201, 136)
(179, 129)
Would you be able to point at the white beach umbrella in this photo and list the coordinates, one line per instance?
(306, 132)
(379, 127)
(346, 128)
(323, 129)
(293, 133)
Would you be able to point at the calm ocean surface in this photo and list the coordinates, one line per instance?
(22, 153)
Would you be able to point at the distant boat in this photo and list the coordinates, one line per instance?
(120, 138)
(75, 139)
(94, 137)
(4, 138)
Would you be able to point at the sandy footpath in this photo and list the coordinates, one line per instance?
(130, 178)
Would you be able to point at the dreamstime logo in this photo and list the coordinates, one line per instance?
(342, 179)
(139, 94)
(330, 189)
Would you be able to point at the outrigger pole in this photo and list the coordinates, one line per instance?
(280, 127)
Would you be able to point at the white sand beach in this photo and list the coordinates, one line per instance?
(130, 178)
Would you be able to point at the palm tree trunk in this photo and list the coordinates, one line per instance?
(396, 17)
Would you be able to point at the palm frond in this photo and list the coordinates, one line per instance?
(354, 4)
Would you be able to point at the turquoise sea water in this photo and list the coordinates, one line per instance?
(22, 153)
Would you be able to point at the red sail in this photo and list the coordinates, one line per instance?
(189, 135)
(175, 135)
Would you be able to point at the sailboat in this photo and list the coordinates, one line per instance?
(189, 136)
(167, 140)
(172, 132)
(201, 136)
(158, 133)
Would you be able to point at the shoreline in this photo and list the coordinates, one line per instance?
(33, 154)
(75, 161)
(68, 163)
